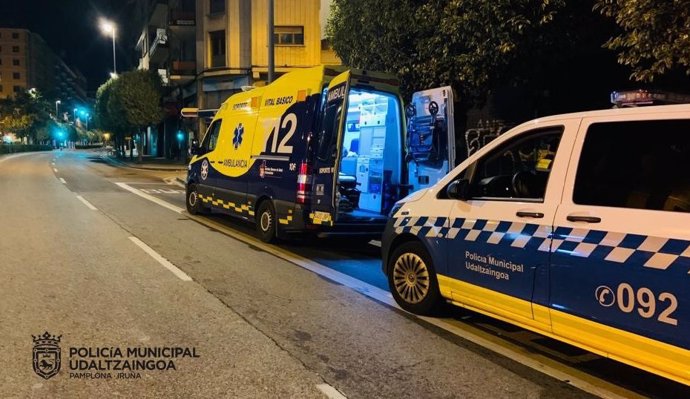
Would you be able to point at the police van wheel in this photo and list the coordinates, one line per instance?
(194, 205)
(266, 222)
(412, 279)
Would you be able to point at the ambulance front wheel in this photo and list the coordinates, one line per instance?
(412, 279)
(266, 221)
(194, 204)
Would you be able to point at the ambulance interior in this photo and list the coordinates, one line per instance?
(370, 165)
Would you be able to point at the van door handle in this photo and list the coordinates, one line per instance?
(535, 215)
(586, 219)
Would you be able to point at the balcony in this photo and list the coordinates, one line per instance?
(183, 68)
(159, 48)
(182, 71)
(182, 18)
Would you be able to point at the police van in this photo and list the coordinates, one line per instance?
(321, 150)
(574, 226)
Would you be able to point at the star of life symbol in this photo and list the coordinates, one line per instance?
(46, 354)
(204, 169)
(237, 136)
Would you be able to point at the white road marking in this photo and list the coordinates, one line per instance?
(62, 181)
(173, 182)
(164, 262)
(375, 243)
(54, 170)
(151, 198)
(87, 203)
(160, 191)
(552, 368)
(330, 392)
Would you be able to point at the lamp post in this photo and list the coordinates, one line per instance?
(75, 115)
(57, 103)
(108, 29)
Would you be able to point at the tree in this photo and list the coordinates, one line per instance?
(655, 36)
(25, 114)
(468, 44)
(129, 102)
(136, 97)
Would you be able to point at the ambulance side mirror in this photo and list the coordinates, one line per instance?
(458, 189)
(194, 149)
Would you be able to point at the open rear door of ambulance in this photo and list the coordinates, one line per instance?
(430, 136)
(328, 152)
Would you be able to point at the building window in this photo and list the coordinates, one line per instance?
(17, 89)
(217, 40)
(217, 6)
(0, 61)
(15, 61)
(15, 49)
(1, 89)
(287, 35)
(15, 35)
(16, 75)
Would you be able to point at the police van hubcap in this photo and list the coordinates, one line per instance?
(192, 198)
(411, 278)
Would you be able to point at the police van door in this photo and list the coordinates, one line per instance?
(624, 245)
(430, 136)
(328, 152)
(501, 232)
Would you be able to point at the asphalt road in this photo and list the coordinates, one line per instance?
(83, 258)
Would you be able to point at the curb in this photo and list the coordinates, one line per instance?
(180, 180)
(126, 165)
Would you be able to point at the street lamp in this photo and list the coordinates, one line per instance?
(57, 103)
(108, 28)
(75, 115)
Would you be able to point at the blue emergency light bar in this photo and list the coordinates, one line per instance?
(632, 98)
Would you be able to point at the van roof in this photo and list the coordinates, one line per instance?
(647, 110)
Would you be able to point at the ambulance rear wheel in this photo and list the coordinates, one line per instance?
(194, 203)
(266, 222)
(412, 279)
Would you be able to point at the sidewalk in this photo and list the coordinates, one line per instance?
(151, 163)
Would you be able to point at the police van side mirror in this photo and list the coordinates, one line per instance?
(458, 189)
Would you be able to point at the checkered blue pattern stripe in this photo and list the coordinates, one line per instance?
(649, 251)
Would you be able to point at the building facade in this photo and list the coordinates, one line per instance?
(207, 50)
(27, 62)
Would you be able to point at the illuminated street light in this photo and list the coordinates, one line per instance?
(57, 103)
(108, 28)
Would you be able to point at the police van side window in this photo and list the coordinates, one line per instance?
(211, 138)
(518, 169)
(641, 165)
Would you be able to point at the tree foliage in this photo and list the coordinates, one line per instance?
(136, 98)
(129, 103)
(25, 114)
(469, 44)
(655, 35)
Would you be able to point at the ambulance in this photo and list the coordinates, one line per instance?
(322, 150)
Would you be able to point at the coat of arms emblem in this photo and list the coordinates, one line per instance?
(46, 354)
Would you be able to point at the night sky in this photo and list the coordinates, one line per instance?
(70, 27)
